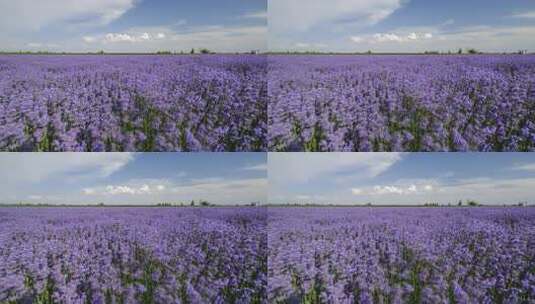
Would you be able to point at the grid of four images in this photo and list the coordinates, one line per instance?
(267, 151)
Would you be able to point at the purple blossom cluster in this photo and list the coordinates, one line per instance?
(133, 103)
(401, 103)
(133, 255)
(401, 255)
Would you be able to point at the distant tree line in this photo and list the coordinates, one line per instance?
(460, 51)
(202, 51)
(192, 203)
(460, 203)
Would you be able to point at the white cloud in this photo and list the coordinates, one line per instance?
(123, 37)
(387, 37)
(525, 15)
(301, 167)
(441, 38)
(393, 189)
(36, 167)
(391, 37)
(412, 36)
(33, 15)
(149, 39)
(89, 39)
(88, 191)
(357, 39)
(301, 15)
(356, 191)
(214, 189)
(123, 189)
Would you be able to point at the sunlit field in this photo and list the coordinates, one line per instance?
(401, 255)
(402, 103)
(133, 255)
(133, 103)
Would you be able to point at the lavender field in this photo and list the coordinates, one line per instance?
(133, 255)
(401, 255)
(133, 103)
(402, 103)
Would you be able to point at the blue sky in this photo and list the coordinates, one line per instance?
(133, 25)
(401, 25)
(406, 178)
(125, 178)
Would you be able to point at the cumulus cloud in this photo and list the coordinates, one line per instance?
(122, 37)
(33, 15)
(215, 189)
(393, 189)
(357, 39)
(356, 191)
(89, 39)
(391, 37)
(147, 39)
(124, 189)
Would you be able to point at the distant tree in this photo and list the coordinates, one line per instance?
(460, 203)
(472, 51)
(192, 51)
(460, 51)
(205, 204)
(205, 51)
(192, 203)
(369, 52)
(472, 203)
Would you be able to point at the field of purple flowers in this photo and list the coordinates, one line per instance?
(133, 255)
(401, 103)
(401, 255)
(133, 103)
